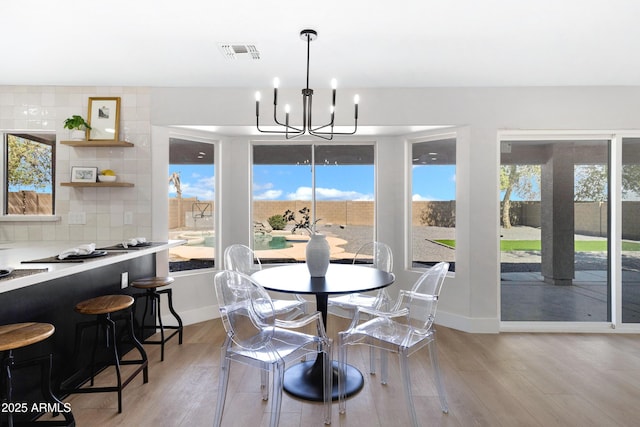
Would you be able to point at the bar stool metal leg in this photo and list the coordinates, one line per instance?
(173, 312)
(153, 303)
(108, 310)
(16, 336)
(7, 363)
(156, 304)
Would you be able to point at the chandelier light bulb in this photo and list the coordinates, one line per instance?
(334, 84)
(287, 109)
(276, 83)
(257, 104)
(356, 100)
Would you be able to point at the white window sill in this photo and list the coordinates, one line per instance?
(29, 218)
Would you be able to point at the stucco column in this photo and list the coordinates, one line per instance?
(557, 211)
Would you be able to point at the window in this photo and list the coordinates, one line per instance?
(344, 198)
(29, 180)
(433, 202)
(191, 178)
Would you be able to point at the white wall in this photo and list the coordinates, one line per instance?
(470, 299)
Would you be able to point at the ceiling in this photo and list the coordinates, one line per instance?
(362, 43)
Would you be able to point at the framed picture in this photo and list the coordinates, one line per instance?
(104, 119)
(83, 174)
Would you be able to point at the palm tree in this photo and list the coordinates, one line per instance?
(174, 179)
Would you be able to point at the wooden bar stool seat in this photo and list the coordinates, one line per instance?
(16, 336)
(152, 302)
(20, 335)
(104, 304)
(152, 282)
(108, 309)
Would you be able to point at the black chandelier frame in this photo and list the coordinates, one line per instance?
(291, 132)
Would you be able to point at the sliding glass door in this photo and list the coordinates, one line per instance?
(630, 230)
(555, 230)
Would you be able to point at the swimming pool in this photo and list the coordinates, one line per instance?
(261, 242)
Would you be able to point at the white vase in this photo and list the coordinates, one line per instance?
(317, 255)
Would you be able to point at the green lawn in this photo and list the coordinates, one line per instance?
(534, 245)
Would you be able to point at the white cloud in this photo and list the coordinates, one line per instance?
(268, 195)
(198, 191)
(209, 181)
(304, 193)
(267, 186)
(301, 193)
(202, 189)
(364, 198)
(420, 198)
(266, 192)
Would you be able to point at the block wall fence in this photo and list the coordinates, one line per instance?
(590, 217)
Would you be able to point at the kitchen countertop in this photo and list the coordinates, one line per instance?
(12, 255)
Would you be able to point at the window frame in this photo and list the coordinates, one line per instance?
(4, 157)
(206, 138)
(314, 144)
(417, 139)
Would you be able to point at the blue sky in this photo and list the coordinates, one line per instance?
(344, 182)
(195, 180)
(434, 182)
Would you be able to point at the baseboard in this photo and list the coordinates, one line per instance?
(454, 321)
(468, 324)
(197, 315)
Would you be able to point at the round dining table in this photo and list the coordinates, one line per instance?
(304, 380)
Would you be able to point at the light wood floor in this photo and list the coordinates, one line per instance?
(510, 379)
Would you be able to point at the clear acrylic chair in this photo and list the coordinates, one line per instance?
(405, 329)
(244, 260)
(256, 338)
(377, 255)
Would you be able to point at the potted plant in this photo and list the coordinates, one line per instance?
(78, 127)
(318, 250)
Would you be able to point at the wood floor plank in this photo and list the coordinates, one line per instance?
(509, 379)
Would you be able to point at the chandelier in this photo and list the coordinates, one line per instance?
(323, 131)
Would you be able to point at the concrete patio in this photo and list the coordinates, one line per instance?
(525, 296)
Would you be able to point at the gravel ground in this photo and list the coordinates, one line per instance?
(424, 248)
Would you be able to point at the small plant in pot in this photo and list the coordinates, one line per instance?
(78, 127)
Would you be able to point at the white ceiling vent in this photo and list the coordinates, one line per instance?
(239, 51)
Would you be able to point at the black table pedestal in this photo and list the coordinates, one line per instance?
(304, 381)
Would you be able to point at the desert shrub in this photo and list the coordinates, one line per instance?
(277, 222)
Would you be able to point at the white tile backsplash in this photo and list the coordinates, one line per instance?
(46, 108)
